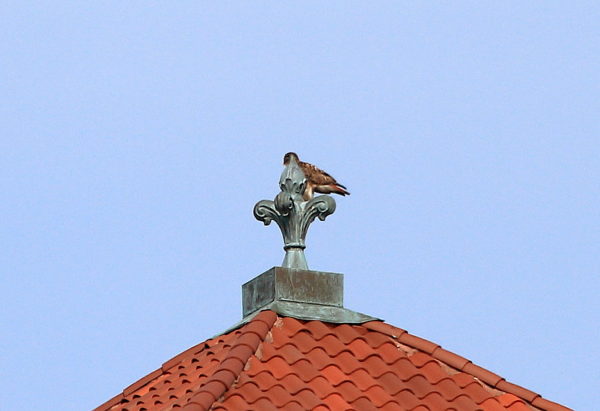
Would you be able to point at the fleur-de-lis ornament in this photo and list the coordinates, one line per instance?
(293, 214)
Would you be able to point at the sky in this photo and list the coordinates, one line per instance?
(136, 137)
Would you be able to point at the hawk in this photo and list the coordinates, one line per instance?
(317, 180)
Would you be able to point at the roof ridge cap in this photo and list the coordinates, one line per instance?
(464, 365)
(252, 334)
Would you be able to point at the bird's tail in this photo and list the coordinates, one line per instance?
(339, 189)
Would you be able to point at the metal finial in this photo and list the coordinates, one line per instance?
(292, 214)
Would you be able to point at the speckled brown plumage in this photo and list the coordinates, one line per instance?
(317, 180)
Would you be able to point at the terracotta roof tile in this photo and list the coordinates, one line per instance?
(405, 369)
(375, 340)
(264, 404)
(335, 402)
(252, 392)
(321, 387)
(308, 398)
(507, 399)
(362, 379)
(492, 404)
(276, 365)
(363, 404)
(476, 392)
(390, 382)
(347, 333)
(233, 402)
(463, 379)
(375, 366)
(419, 385)
(481, 373)
(433, 372)
(292, 384)
(305, 370)
(334, 375)
(464, 403)
(419, 359)
(294, 406)
(378, 395)
(332, 345)
(451, 359)
(278, 395)
(137, 386)
(359, 348)
(434, 401)
(517, 390)
(289, 353)
(281, 363)
(318, 329)
(418, 342)
(347, 362)
(448, 388)
(407, 399)
(384, 328)
(389, 352)
(391, 406)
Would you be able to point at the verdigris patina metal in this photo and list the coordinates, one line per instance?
(292, 290)
(291, 285)
(302, 294)
(292, 214)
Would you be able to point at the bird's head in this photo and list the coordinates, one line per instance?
(288, 157)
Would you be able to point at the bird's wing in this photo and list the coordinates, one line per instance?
(316, 175)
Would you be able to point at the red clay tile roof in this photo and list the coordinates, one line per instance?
(280, 363)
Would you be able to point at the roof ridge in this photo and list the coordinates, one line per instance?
(253, 333)
(464, 365)
(356, 360)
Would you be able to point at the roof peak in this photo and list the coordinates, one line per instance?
(293, 290)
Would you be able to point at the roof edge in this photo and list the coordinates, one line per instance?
(462, 364)
(110, 403)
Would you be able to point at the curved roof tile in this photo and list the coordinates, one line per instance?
(275, 362)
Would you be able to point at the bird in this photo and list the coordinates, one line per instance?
(317, 180)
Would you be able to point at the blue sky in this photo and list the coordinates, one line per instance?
(137, 136)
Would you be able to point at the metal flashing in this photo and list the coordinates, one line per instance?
(294, 285)
(301, 294)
